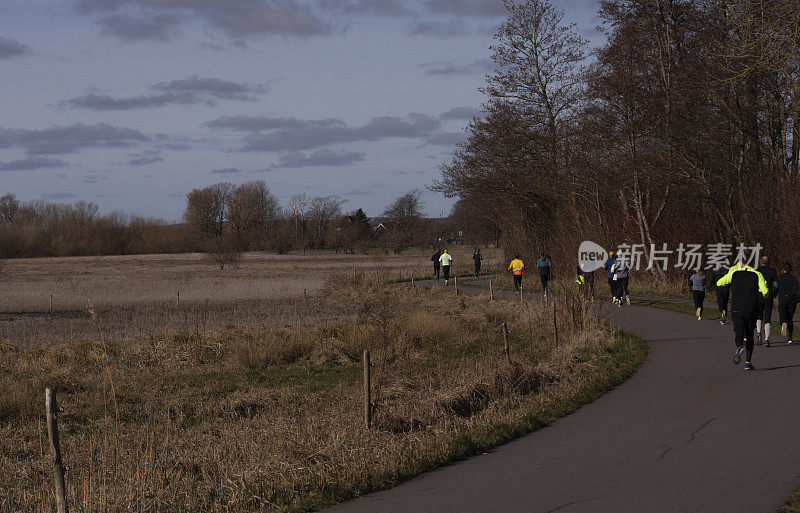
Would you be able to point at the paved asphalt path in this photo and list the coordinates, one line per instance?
(689, 432)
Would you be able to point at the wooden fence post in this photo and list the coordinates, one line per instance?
(520, 291)
(52, 409)
(491, 291)
(367, 396)
(412, 281)
(555, 323)
(506, 345)
(178, 299)
(51, 303)
(455, 281)
(377, 281)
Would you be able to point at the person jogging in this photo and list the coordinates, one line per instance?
(788, 294)
(436, 263)
(619, 276)
(698, 283)
(748, 288)
(580, 280)
(611, 284)
(477, 258)
(723, 294)
(517, 266)
(544, 265)
(765, 313)
(446, 260)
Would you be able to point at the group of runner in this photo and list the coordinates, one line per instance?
(442, 261)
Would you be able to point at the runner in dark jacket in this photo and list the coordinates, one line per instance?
(765, 313)
(435, 260)
(788, 293)
(748, 288)
(477, 258)
(723, 294)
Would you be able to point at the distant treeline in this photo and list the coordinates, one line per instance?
(225, 220)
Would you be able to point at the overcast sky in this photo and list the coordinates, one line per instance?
(132, 103)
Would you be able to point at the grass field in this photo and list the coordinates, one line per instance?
(249, 414)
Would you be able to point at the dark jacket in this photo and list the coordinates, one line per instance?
(788, 288)
(770, 276)
(748, 288)
(435, 258)
(719, 273)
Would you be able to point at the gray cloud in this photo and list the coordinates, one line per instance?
(237, 19)
(446, 138)
(57, 195)
(226, 171)
(69, 139)
(193, 90)
(158, 27)
(316, 133)
(454, 28)
(365, 7)
(32, 163)
(10, 48)
(320, 158)
(460, 113)
(485, 8)
(144, 158)
(449, 68)
(260, 123)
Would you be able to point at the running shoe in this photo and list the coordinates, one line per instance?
(748, 366)
(737, 356)
(628, 300)
(722, 321)
(767, 344)
(698, 314)
(758, 338)
(790, 342)
(699, 318)
(784, 327)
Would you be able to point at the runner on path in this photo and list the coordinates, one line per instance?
(698, 283)
(477, 258)
(611, 284)
(723, 294)
(765, 312)
(581, 281)
(748, 288)
(788, 292)
(517, 266)
(436, 263)
(446, 260)
(619, 277)
(544, 265)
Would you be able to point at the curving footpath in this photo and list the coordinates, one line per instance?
(689, 432)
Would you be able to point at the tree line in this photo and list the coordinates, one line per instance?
(222, 220)
(683, 126)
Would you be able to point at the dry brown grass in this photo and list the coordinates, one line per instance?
(259, 420)
(136, 295)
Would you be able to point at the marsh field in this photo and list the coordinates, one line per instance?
(246, 393)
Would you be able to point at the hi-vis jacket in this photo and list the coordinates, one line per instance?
(748, 288)
(517, 265)
(445, 259)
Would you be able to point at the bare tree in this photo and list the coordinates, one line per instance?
(321, 212)
(208, 214)
(403, 217)
(253, 210)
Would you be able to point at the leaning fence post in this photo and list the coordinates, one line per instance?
(367, 397)
(555, 323)
(412, 281)
(506, 345)
(52, 409)
(491, 291)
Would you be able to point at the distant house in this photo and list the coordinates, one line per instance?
(380, 229)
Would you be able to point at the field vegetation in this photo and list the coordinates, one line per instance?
(269, 417)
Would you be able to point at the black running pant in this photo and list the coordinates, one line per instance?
(446, 272)
(765, 313)
(624, 285)
(723, 295)
(436, 270)
(517, 282)
(699, 296)
(744, 326)
(477, 269)
(786, 311)
(545, 278)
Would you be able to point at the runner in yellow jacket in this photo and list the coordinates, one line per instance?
(517, 266)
